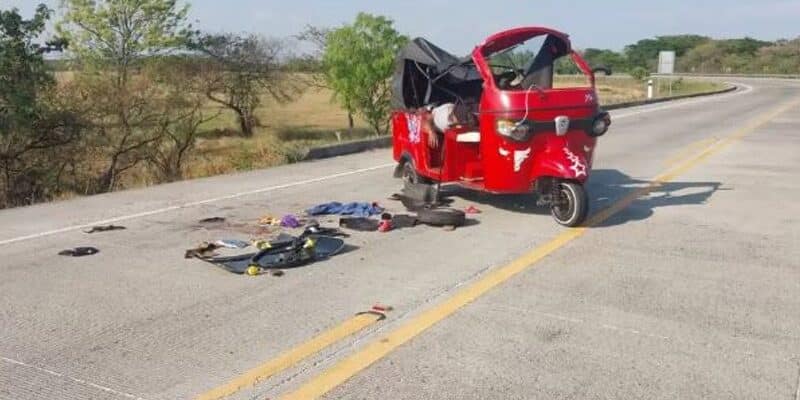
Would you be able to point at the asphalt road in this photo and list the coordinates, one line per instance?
(691, 290)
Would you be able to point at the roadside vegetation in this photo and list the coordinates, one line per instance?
(131, 94)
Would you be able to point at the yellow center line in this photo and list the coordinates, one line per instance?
(292, 356)
(374, 351)
(689, 150)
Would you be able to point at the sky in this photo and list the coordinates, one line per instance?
(458, 26)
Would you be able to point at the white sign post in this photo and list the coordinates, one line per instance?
(666, 65)
(666, 62)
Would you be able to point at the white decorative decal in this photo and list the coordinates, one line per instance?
(519, 157)
(577, 165)
(413, 122)
(503, 152)
(589, 98)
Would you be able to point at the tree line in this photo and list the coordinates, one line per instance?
(134, 92)
(702, 54)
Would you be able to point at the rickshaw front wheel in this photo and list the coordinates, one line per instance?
(570, 205)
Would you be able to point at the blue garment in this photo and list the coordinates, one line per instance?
(354, 209)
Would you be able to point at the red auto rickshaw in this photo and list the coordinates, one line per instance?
(506, 128)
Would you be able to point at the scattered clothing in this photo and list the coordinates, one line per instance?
(79, 252)
(354, 209)
(106, 228)
(232, 243)
(269, 220)
(212, 220)
(385, 225)
(290, 221)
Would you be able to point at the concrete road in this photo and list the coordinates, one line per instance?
(691, 290)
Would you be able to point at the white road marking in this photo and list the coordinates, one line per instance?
(77, 380)
(190, 204)
(646, 109)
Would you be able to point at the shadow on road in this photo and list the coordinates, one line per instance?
(609, 185)
(605, 187)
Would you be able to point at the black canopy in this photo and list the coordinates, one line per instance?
(426, 74)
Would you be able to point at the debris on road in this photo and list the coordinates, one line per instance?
(442, 217)
(313, 228)
(386, 223)
(232, 243)
(212, 220)
(277, 272)
(284, 252)
(79, 252)
(104, 228)
(472, 210)
(362, 224)
(203, 251)
(269, 220)
(354, 209)
(290, 221)
(414, 203)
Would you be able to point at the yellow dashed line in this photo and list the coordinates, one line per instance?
(355, 363)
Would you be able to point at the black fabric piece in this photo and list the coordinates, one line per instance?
(426, 74)
(359, 224)
(404, 221)
(106, 228)
(79, 252)
(212, 220)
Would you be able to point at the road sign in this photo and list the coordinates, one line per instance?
(666, 62)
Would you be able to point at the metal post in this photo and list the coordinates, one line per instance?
(649, 88)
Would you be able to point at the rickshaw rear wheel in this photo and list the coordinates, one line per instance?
(410, 176)
(570, 205)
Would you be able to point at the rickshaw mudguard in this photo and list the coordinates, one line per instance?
(562, 162)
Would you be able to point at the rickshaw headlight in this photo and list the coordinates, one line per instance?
(513, 130)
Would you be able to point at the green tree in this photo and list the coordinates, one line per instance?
(29, 126)
(111, 38)
(241, 70)
(607, 58)
(644, 53)
(358, 61)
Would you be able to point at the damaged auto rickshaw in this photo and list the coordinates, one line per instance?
(495, 121)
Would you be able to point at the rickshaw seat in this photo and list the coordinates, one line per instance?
(469, 137)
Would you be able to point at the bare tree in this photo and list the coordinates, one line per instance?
(242, 70)
(182, 113)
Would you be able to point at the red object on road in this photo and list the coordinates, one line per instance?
(507, 128)
(472, 210)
